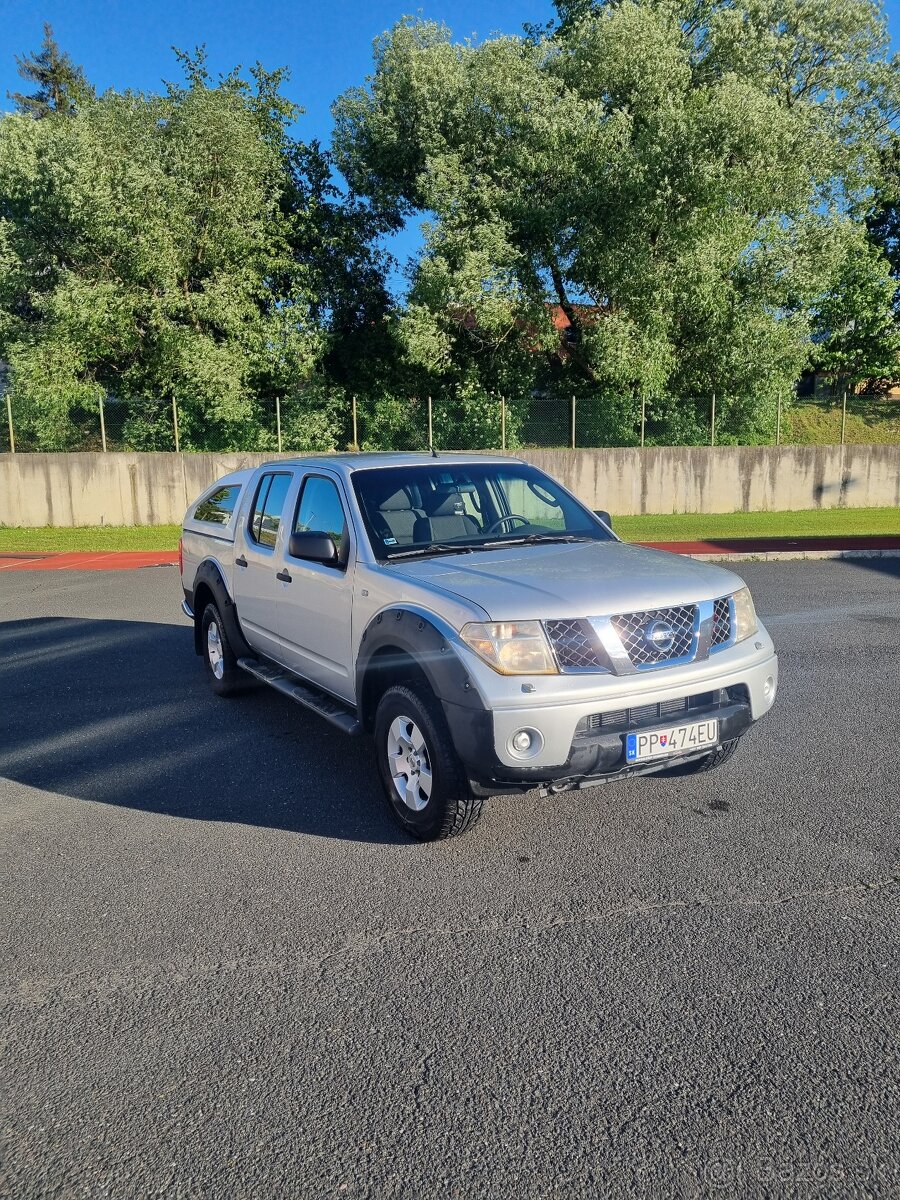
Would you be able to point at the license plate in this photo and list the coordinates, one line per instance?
(661, 743)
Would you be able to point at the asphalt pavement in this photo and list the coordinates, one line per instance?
(227, 974)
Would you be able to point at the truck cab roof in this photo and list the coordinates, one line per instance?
(349, 462)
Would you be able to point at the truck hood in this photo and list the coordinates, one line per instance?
(583, 579)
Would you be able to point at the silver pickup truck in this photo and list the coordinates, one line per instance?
(488, 629)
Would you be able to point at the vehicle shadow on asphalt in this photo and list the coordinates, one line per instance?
(119, 712)
(886, 565)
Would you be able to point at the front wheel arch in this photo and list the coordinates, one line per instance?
(401, 644)
(390, 666)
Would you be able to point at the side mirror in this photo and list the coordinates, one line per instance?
(604, 516)
(314, 546)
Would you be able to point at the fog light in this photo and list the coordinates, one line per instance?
(525, 743)
(769, 688)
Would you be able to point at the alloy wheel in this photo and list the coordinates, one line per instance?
(214, 651)
(409, 763)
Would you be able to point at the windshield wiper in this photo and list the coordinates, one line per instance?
(529, 539)
(532, 539)
(435, 548)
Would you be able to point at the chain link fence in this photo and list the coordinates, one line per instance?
(330, 421)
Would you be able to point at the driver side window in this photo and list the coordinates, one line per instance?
(320, 510)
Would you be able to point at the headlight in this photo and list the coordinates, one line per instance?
(511, 647)
(744, 615)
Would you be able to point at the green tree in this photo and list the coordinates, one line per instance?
(883, 222)
(178, 248)
(856, 334)
(62, 86)
(680, 179)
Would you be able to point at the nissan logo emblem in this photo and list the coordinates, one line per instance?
(659, 635)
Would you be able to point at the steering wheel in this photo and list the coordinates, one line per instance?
(498, 525)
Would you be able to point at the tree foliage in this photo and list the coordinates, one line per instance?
(684, 180)
(883, 223)
(62, 86)
(642, 203)
(184, 248)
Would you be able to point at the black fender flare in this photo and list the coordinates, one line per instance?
(209, 574)
(414, 633)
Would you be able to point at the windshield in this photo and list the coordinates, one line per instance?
(461, 508)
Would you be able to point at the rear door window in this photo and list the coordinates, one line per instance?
(266, 517)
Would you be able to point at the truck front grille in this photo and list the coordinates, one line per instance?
(575, 645)
(637, 629)
(656, 637)
(721, 623)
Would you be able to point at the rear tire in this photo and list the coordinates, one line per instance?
(224, 675)
(423, 779)
(710, 762)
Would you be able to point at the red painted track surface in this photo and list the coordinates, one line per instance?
(90, 560)
(110, 560)
(779, 545)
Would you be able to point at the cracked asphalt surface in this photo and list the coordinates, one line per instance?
(227, 974)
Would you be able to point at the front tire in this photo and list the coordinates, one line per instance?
(222, 671)
(423, 779)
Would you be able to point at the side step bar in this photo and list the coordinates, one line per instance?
(338, 714)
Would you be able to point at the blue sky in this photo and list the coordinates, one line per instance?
(328, 46)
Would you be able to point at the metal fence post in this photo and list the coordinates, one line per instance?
(12, 436)
(643, 418)
(278, 421)
(430, 425)
(175, 424)
(712, 423)
(573, 422)
(844, 418)
(102, 425)
(355, 427)
(503, 423)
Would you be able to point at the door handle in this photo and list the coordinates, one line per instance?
(240, 561)
(284, 576)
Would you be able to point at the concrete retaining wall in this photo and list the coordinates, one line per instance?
(728, 478)
(155, 489)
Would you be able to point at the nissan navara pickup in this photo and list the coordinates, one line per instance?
(489, 630)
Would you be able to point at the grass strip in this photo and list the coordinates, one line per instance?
(691, 527)
(665, 527)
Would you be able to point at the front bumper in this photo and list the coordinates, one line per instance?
(737, 686)
(594, 756)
